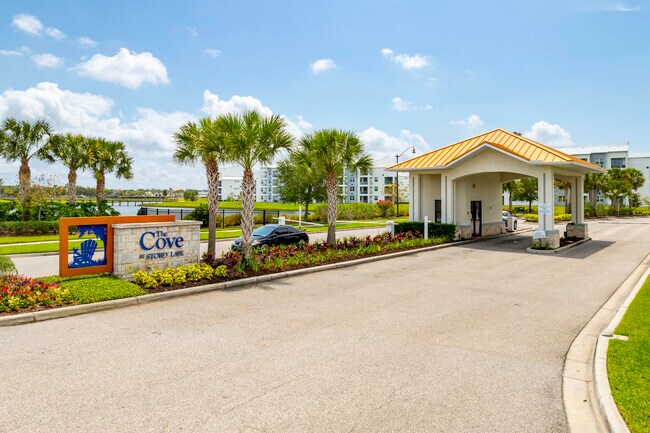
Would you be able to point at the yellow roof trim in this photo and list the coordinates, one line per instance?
(513, 144)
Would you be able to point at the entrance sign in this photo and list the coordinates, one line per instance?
(89, 257)
(155, 245)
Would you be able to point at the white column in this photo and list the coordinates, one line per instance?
(417, 198)
(446, 199)
(574, 199)
(545, 195)
(426, 227)
(580, 201)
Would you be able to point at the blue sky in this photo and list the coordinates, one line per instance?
(398, 72)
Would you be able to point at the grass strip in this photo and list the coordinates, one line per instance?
(41, 248)
(628, 363)
(87, 289)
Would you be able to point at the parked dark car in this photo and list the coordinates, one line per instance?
(273, 234)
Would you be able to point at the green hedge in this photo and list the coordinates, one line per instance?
(26, 228)
(436, 230)
(558, 217)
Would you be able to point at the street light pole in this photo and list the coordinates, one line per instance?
(397, 176)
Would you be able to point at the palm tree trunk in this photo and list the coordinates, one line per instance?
(72, 186)
(248, 202)
(509, 202)
(594, 201)
(101, 187)
(25, 181)
(330, 185)
(212, 173)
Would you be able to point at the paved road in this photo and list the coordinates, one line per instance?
(464, 339)
(40, 266)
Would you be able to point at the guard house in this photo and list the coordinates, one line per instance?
(462, 183)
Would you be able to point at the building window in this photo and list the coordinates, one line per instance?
(351, 198)
(376, 188)
(598, 159)
(618, 163)
(376, 198)
(351, 189)
(376, 180)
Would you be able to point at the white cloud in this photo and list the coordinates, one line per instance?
(54, 33)
(148, 136)
(380, 143)
(126, 68)
(322, 65)
(303, 124)
(28, 24)
(407, 61)
(399, 104)
(87, 42)
(550, 134)
(215, 106)
(193, 32)
(32, 25)
(47, 61)
(211, 52)
(10, 53)
(472, 121)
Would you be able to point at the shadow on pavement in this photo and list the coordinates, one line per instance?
(519, 243)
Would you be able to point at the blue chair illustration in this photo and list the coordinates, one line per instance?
(83, 256)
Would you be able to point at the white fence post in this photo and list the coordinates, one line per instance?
(281, 220)
(390, 227)
(426, 227)
(300, 216)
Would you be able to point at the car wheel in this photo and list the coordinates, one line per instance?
(514, 226)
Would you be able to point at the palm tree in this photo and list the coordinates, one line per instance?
(108, 157)
(617, 187)
(510, 188)
(203, 143)
(331, 151)
(252, 139)
(636, 180)
(21, 141)
(594, 184)
(73, 151)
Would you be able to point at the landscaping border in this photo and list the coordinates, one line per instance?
(558, 250)
(586, 395)
(38, 316)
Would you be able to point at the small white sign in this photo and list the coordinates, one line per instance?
(539, 234)
(544, 209)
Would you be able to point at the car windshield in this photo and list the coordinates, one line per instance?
(263, 231)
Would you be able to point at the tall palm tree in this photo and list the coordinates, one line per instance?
(73, 151)
(594, 184)
(636, 180)
(22, 141)
(252, 139)
(331, 151)
(617, 187)
(108, 157)
(203, 142)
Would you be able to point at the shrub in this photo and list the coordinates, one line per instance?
(347, 211)
(436, 230)
(7, 266)
(87, 289)
(386, 208)
(18, 291)
(532, 217)
(178, 276)
(26, 228)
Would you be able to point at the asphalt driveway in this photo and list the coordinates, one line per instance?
(464, 339)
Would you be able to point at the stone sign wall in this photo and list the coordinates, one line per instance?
(149, 246)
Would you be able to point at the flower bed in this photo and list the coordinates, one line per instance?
(268, 260)
(18, 293)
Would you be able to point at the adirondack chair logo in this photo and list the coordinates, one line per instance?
(84, 256)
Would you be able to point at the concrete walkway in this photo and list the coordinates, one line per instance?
(465, 339)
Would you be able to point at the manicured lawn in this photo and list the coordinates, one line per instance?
(95, 288)
(628, 363)
(21, 239)
(40, 248)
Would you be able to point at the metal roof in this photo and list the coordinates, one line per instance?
(503, 140)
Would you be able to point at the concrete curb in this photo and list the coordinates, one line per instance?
(588, 403)
(55, 313)
(604, 396)
(558, 250)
